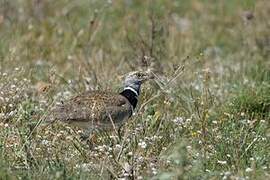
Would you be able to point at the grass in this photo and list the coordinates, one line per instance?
(206, 116)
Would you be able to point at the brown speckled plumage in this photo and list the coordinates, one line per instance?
(94, 110)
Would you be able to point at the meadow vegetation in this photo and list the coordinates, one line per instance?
(205, 116)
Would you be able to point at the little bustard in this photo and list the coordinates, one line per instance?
(100, 110)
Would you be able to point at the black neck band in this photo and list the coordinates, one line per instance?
(131, 96)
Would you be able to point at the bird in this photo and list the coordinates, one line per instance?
(101, 110)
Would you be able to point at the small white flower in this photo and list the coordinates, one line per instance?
(222, 162)
(86, 167)
(178, 121)
(100, 148)
(118, 146)
(188, 120)
(2, 115)
(142, 144)
(69, 57)
(45, 142)
(13, 86)
(126, 175)
(249, 169)
(214, 122)
(69, 138)
(11, 113)
(130, 153)
(140, 159)
(262, 121)
(127, 168)
(154, 170)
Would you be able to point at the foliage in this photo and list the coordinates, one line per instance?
(205, 116)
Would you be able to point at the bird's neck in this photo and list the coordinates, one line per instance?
(131, 94)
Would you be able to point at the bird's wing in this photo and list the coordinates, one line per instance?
(99, 108)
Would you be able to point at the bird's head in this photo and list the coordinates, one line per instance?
(136, 78)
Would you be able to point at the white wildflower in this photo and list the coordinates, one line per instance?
(262, 121)
(188, 120)
(249, 169)
(126, 174)
(222, 162)
(142, 144)
(154, 170)
(68, 138)
(178, 121)
(11, 113)
(118, 146)
(86, 167)
(45, 142)
(2, 115)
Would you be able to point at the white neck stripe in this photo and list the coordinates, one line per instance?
(133, 90)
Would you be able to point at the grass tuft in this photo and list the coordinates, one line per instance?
(206, 115)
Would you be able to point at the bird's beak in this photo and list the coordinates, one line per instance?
(147, 76)
(151, 75)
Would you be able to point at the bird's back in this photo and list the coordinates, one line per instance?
(93, 109)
